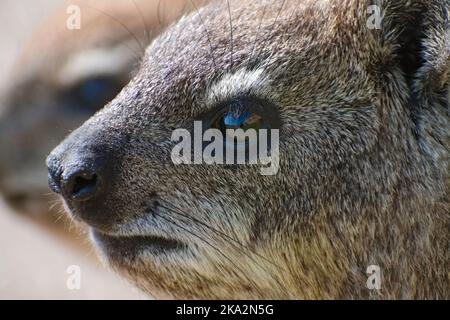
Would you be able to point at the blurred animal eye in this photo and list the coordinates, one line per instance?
(92, 94)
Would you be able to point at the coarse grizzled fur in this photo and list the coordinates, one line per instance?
(364, 155)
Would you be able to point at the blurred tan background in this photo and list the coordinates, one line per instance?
(19, 19)
(35, 250)
(34, 263)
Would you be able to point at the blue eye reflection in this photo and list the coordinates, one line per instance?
(93, 88)
(97, 91)
(92, 94)
(246, 114)
(236, 120)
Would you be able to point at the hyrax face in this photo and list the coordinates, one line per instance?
(63, 77)
(356, 177)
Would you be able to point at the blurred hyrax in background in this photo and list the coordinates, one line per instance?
(76, 62)
(61, 62)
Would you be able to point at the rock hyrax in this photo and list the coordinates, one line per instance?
(363, 110)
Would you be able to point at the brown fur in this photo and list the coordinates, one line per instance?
(363, 163)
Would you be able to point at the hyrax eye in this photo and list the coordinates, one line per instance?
(242, 113)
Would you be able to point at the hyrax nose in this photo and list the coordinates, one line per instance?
(76, 181)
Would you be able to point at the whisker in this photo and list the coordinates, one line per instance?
(289, 22)
(52, 206)
(120, 23)
(231, 35)
(207, 35)
(137, 55)
(60, 215)
(144, 23)
(210, 245)
(233, 231)
(271, 30)
(162, 27)
(258, 31)
(226, 217)
(286, 30)
(224, 236)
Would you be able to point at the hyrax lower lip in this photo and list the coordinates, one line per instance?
(128, 244)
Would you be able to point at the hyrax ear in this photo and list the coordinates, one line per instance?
(411, 36)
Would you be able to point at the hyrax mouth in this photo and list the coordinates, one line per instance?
(119, 247)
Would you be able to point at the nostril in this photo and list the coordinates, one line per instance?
(82, 185)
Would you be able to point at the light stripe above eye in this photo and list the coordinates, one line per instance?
(242, 82)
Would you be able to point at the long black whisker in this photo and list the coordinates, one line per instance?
(286, 30)
(233, 231)
(136, 54)
(121, 24)
(289, 23)
(228, 221)
(231, 35)
(207, 35)
(257, 31)
(209, 244)
(271, 30)
(144, 22)
(224, 236)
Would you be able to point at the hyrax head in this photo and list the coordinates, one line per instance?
(359, 100)
(76, 61)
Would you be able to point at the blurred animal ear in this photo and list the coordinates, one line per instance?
(412, 36)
